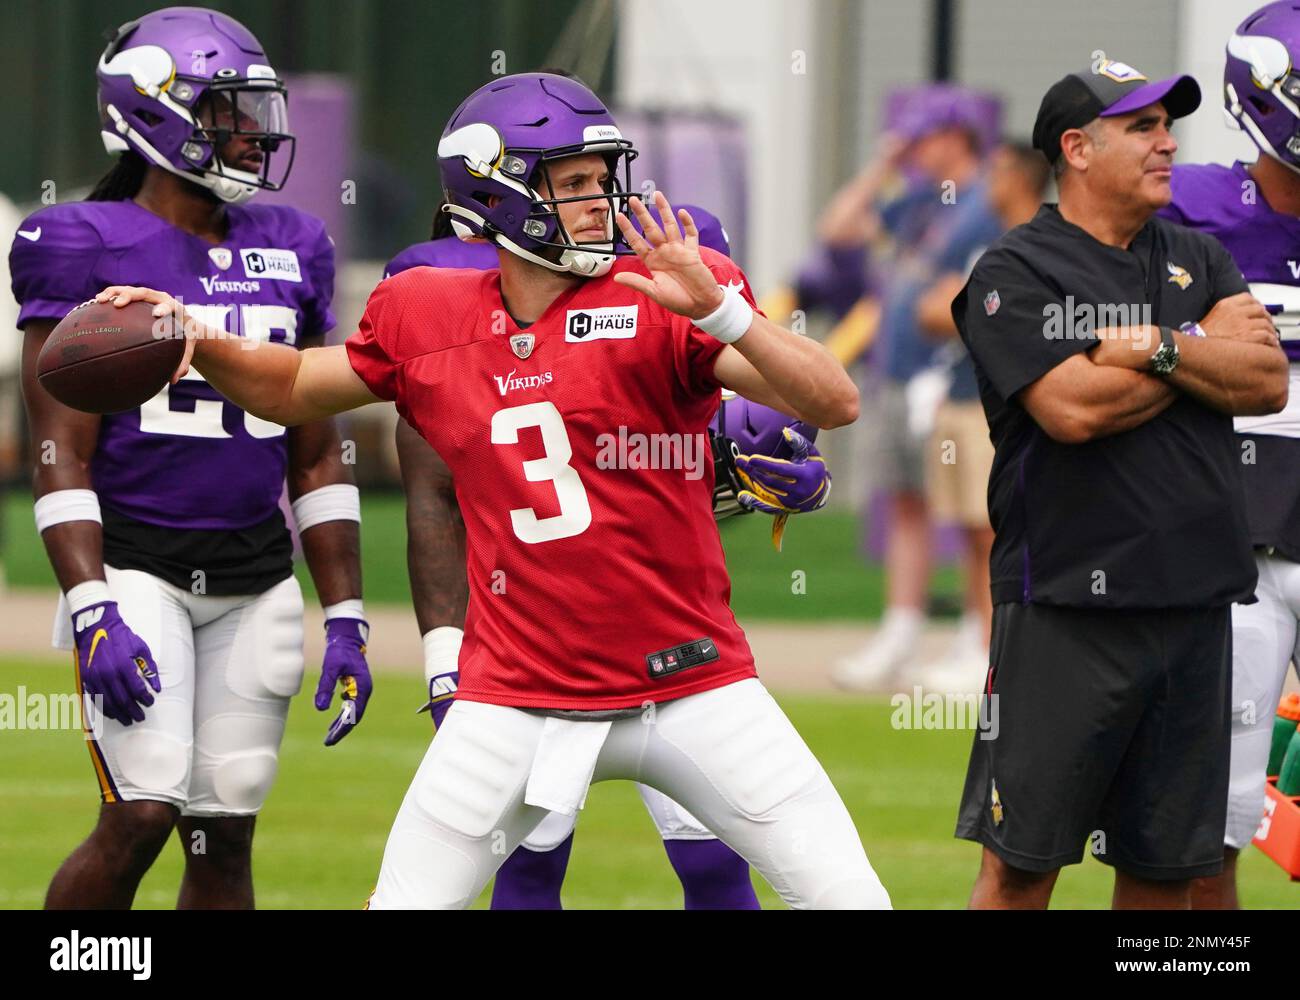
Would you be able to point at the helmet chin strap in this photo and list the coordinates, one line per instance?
(225, 186)
(584, 263)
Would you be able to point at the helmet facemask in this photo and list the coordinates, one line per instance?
(726, 484)
(253, 110)
(545, 213)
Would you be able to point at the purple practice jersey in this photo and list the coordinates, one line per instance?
(449, 251)
(1226, 203)
(188, 458)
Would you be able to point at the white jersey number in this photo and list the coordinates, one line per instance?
(575, 512)
(157, 415)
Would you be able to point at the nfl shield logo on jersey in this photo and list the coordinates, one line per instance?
(522, 344)
(221, 256)
(991, 302)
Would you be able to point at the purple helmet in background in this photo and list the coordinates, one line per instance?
(712, 233)
(164, 70)
(1261, 88)
(743, 427)
(500, 141)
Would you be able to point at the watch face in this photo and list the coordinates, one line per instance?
(1164, 360)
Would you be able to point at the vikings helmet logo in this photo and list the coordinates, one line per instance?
(1178, 275)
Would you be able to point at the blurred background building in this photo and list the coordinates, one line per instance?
(757, 109)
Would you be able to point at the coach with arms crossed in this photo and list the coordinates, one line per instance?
(1115, 496)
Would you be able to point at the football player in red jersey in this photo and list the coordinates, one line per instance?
(598, 640)
(752, 452)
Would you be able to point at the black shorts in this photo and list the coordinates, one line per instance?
(1108, 733)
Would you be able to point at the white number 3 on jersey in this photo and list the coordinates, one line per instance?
(575, 512)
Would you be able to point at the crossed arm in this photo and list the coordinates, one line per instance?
(1238, 368)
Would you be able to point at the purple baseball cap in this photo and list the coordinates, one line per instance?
(1109, 89)
(922, 110)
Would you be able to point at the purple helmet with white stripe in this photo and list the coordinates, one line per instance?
(494, 155)
(1261, 84)
(178, 84)
(743, 427)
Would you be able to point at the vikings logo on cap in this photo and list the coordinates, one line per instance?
(1118, 71)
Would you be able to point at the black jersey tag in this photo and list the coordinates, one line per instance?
(683, 657)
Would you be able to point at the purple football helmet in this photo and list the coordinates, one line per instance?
(500, 142)
(1261, 87)
(712, 233)
(178, 84)
(743, 427)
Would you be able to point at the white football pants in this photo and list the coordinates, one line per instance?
(210, 742)
(729, 756)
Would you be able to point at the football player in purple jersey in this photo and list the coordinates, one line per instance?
(163, 523)
(764, 461)
(1253, 209)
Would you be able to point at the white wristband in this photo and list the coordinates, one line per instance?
(731, 320)
(346, 609)
(337, 502)
(83, 595)
(441, 650)
(66, 505)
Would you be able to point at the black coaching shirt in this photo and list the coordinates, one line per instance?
(1153, 517)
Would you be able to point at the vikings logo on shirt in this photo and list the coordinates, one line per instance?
(1178, 275)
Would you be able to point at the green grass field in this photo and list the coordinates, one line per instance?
(321, 836)
(838, 583)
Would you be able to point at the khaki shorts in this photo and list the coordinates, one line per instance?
(896, 458)
(958, 459)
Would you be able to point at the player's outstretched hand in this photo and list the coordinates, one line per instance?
(163, 305)
(679, 280)
(780, 486)
(345, 665)
(114, 663)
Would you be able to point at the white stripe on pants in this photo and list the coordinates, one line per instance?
(729, 755)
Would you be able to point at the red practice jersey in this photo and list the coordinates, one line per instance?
(596, 574)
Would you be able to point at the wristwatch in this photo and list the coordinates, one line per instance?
(1165, 360)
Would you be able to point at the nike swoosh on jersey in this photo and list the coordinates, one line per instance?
(33, 235)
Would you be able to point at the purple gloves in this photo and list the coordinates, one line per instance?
(114, 663)
(345, 664)
(442, 692)
(780, 486)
